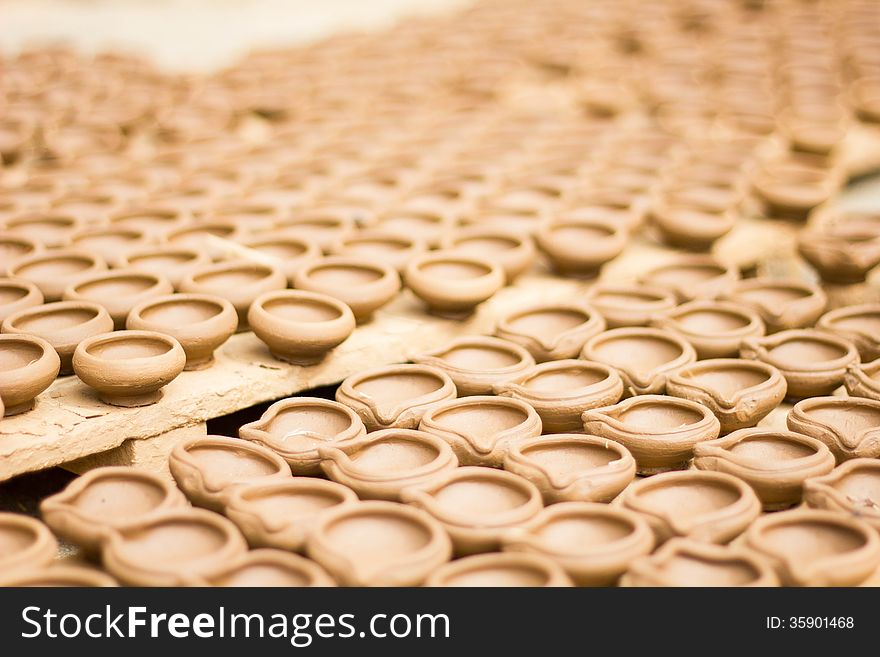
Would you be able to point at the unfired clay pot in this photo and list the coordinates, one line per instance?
(363, 285)
(323, 226)
(119, 291)
(706, 506)
(111, 243)
(56, 576)
(512, 251)
(129, 368)
(63, 324)
(782, 304)
(300, 327)
(173, 262)
(56, 270)
(25, 543)
(623, 304)
(480, 428)
(199, 322)
(853, 487)
(296, 427)
(500, 569)
(850, 426)
(379, 544)
(739, 392)
(714, 328)
(153, 221)
(594, 543)
(287, 252)
(17, 294)
(682, 562)
(477, 506)
(563, 389)
(428, 226)
(476, 363)
(282, 514)
(812, 362)
(659, 431)
(383, 463)
(105, 500)
(644, 357)
(395, 395)
(551, 331)
(383, 246)
(858, 324)
(788, 190)
(685, 224)
(863, 380)
(211, 237)
(51, 230)
(580, 247)
(266, 568)
(774, 463)
(816, 548)
(15, 247)
(693, 277)
(841, 254)
(453, 284)
(28, 365)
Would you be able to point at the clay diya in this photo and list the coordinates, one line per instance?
(563, 389)
(476, 363)
(477, 506)
(774, 463)
(173, 262)
(629, 304)
(287, 252)
(842, 254)
(808, 547)
(300, 327)
(689, 225)
(154, 222)
(705, 506)
(850, 426)
(497, 569)
(659, 431)
(740, 393)
(395, 395)
(379, 544)
(199, 322)
(853, 487)
(105, 500)
(685, 563)
(692, 277)
(644, 357)
(715, 329)
(361, 284)
(812, 362)
(863, 380)
(858, 324)
(28, 365)
(238, 281)
(425, 225)
(119, 291)
(480, 428)
(15, 247)
(382, 246)
(323, 226)
(594, 543)
(453, 284)
(296, 427)
(270, 568)
(63, 324)
(208, 468)
(129, 368)
(210, 237)
(782, 304)
(54, 271)
(383, 463)
(282, 514)
(580, 247)
(50, 230)
(173, 547)
(512, 251)
(551, 331)
(791, 190)
(25, 543)
(110, 243)
(56, 576)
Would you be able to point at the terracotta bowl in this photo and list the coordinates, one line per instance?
(119, 291)
(322, 226)
(63, 324)
(428, 226)
(684, 224)
(385, 247)
(56, 576)
(551, 331)
(111, 243)
(173, 262)
(580, 247)
(693, 277)
(129, 368)
(500, 569)
(629, 304)
(267, 568)
(849, 426)
(15, 247)
(842, 254)
(153, 221)
(790, 191)
(715, 329)
(26, 544)
(28, 365)
(782, 304)
(853, 488)
(363, 285)
(287, 252)
(512, 251)
(211, 237)
(453, 284)
(55, 271)
(300, 327)
(51, 230)
(17, 294)
(296, 427)
(858, 324)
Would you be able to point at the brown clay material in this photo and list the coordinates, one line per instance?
(426, 225)
(129, 368)
(63, 324)
(16, 295)
(853, 487)
(739, 392)
(512, 251)
(105, 500)
(683, 223)
(119, 291)
(841, 254)
(111, 243)
(863, 380)
(497, 569)
(55, 271)
(551, 331)
(624, 304)
(659, 431)
(580, 247)
(705, 506)
(594, 543)
(782, 304)
(812, 362)
(154, 222)
(480, 428)
(453, 284)
(858, 324)
(282, 514)
(395, 396)
(816, 548)
(296, 427)
(715, 329)
(50, 230)
(25, 543)
(850, 426)
(383, 463)
(210, 237)
(287, 252)
(28, 365)
(774, 463)
(379, 544)
(563, 389)
(15, 247)
(693, 277)
(300, 327)
(363, 285)
(56, 576)
(268, 568)
(383, 246)
(173, 262)
(322, 226)
(789, 190)
(477, 506)
(644, 357)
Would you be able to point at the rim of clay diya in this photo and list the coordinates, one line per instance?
(59, 575)
(484, 284)
(822, 492)
(706, 418)
(762, 348)
(485, 342)
(671, 319)
(518, 563)
(655, 299)
(225, 313)
(387, 278)
(520, 386)
(862, 380)
(684, 381)
(843, 440)
(29, 246)
(262, 559)
(262, 309)
(723, 277)
(21, 268)
(592, 323)
(40, 547)
(761, 465)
